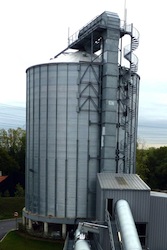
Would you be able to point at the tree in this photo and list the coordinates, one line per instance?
(11, 139)
(13, 142)
(19, 191)
(141, 164)
(8, 165)
(152, 167)
(12, 160)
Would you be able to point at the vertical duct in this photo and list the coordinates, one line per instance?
(110, 76)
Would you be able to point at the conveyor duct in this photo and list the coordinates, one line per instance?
(129, 236)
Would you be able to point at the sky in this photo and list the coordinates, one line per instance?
(33, 31)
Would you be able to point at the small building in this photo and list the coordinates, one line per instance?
(8, 183)
(130, 187)
(158, 223)
(2, 178)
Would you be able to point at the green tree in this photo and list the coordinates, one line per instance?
(7, 163)
(19, 191)
(13, 142)
(141, 164)
(11, 139)
(151, 165)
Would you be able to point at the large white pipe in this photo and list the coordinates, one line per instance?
(129, 236)
(80, 241)
(81, 245)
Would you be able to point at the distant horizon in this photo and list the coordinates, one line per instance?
(150, 132)
(12, 116)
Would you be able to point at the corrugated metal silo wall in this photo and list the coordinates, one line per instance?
(62, 139)
(158, 223)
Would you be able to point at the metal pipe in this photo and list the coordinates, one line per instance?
(129, 236)
(80, 239)
(81, 245)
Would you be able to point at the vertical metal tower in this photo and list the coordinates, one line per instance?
(118, 98)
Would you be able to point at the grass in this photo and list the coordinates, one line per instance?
(8, 205)
(16, 241)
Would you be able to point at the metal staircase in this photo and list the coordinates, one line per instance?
(128, 50)
(128, 102)
(112, 229)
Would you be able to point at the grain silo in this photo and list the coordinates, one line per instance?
(62, 137)
(79, 123)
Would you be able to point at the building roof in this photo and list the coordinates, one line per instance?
(121, 181)
(2, 178)
(72, 57)
(159, 194)
(75, 57)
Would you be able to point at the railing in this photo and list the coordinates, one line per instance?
(128, 50)
(81, 31)
(73, 37)
(66, 242)
(110, 230)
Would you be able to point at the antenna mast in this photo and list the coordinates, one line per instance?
(125, 15)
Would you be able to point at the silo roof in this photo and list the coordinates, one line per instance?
(71, 57)
(121, 181)
(78, 56)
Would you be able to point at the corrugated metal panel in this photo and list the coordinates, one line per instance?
(138, 200)
(158, 221)
(123, 186)
(62, 143)
(121, 181)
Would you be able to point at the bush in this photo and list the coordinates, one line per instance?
(6, 193)
(19, 191)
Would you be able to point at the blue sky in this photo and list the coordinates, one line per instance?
(33, 31)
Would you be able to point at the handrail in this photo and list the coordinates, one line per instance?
(128, 50)
(110, 230)
(66, 242)
(78, 33)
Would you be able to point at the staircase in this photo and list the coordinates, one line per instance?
(128, 50)
(115, 235)
(70, 245)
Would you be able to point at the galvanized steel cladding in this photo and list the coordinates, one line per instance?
(62, 139)
(158, 226)
(123, 186)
